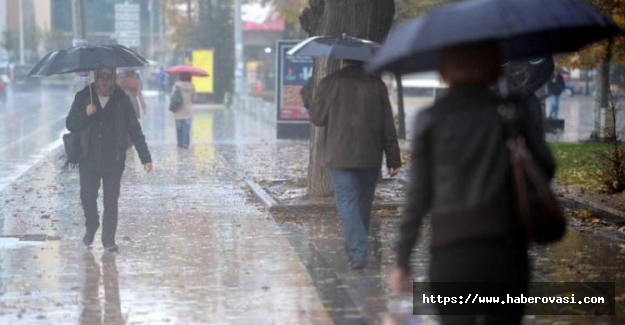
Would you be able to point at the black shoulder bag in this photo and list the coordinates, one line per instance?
(176, 100)
(538, 210)
(71, 142)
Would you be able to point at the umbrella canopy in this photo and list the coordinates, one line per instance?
(338, 47)
(523, 28)
(87, 58)
(526, 77)
(178, 69)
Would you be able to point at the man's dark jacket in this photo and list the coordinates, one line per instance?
(556, 85)
(104, 135)
(355, 109)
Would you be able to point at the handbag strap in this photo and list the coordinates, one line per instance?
(519, 157)
(509, 112)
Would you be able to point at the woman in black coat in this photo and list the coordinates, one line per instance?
(460, 175)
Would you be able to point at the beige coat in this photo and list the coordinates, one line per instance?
(131, 85)
(188, 93)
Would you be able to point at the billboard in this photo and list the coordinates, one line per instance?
(203, 59)
(293, 74)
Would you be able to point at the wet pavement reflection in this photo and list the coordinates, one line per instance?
(196, 249)
(32, 124)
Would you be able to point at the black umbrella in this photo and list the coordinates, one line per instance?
(338, 47)
(523, 28)
(87, 58)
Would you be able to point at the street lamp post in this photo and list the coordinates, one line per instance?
(78, 20)
(239, 72)
(21, 17)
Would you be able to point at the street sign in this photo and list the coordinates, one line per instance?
(127, 27)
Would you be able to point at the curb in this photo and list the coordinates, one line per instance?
(273, 206)
(604, 213)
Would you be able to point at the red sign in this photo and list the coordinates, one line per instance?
(257, 16)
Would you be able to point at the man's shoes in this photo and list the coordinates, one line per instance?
(357, 265)
(87, 239)
(111, 249)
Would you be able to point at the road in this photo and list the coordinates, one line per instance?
(32, 124)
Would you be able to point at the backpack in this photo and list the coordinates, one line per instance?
(176, 100)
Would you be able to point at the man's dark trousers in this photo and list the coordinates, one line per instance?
(354, 189)
(89, 185)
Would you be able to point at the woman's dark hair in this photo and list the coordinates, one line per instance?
(475, 63)
(353, 62)
(185, 76)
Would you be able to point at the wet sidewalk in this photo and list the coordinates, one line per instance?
(196, 248)
(192, 251)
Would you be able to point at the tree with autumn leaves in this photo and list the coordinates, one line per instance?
(368, 19)
(603, 55)
(354, 17)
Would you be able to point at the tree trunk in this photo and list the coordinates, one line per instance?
(369, 19)
(604, 120)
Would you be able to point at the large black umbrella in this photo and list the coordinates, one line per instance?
(523, 29)
(87, 58)
(338, 47)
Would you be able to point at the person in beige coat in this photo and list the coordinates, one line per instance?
(184, 116)
(131, 85)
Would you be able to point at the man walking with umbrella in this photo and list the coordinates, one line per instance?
(355, 109)
(103, 117)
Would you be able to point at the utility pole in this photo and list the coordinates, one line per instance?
(81, 80)
(239, 75)
(78, 21)
(151, 32)
(21, 16)
(162, 6)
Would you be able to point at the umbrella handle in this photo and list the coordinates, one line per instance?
(90, 91)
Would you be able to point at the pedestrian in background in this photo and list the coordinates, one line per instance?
(104, 118)
(184, 115)
(161, 83)
(555, 88)
(132, 86)
(460, 176)
(355, 109)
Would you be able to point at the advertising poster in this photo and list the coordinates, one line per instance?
(293, 74)
(203, 59)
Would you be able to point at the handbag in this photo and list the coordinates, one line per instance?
(71, 143)
(176, 100)
(538, 210)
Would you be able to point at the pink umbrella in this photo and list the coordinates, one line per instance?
(178, 69)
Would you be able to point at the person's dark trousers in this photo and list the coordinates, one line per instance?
(353, 191)
(503, 262)
(90, 180)
(554, 106)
